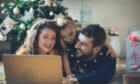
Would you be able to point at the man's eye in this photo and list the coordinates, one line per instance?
(45, 37)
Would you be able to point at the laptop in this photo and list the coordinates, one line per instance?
(33, 69)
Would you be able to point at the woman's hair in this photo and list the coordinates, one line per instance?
(64, 20)
(31, 41)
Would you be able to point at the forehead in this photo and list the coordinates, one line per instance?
(48, 31)
(68, 29)
(85, 39)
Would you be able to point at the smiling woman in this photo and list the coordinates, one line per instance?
(42, 39)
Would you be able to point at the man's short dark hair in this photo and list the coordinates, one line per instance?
(96, 32)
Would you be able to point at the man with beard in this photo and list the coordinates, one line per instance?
(69, 34)
(95, 66)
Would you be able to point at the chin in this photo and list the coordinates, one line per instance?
(47, 51)
(70, 42)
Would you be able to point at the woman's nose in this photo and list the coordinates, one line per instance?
(49, 41)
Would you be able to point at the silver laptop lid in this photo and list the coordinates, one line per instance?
(34, 69)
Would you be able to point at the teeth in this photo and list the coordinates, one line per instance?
(48, 46)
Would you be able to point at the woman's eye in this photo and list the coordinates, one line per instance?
(54, 38)
(71, 34)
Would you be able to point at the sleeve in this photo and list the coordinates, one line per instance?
(101, 76)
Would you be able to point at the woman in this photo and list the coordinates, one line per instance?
(43, 38)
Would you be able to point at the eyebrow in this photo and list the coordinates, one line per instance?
(68, 34)
(49, 35)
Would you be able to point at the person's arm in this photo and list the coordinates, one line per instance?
(66, 65)
(101, 76)
(110, 50)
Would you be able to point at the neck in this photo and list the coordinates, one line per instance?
(42, 52)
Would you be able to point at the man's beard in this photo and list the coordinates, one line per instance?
(85, 57)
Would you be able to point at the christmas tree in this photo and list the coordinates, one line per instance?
(21, 14)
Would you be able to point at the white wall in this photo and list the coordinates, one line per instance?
(124, 14)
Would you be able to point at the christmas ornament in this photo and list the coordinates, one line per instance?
(2, 5)
(7, 24)
(3, 11)
(16, 10)
(51, 13)
(22, 26)
(31, 9)
(6, 27)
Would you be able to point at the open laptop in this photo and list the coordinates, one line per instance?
(34, 69)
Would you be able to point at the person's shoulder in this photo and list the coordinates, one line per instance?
(103, 53)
